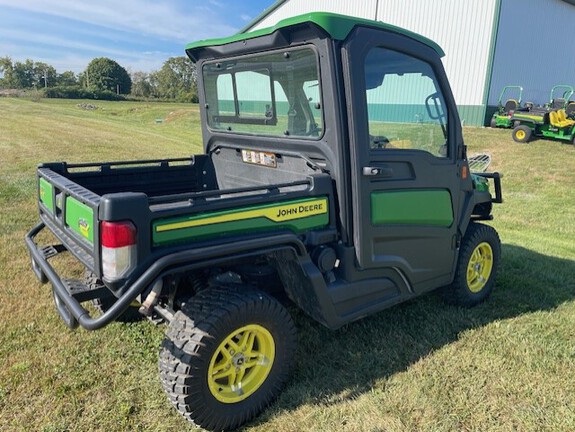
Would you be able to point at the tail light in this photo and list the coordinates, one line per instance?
(118, 240)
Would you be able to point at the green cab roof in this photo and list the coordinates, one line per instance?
(337, 26)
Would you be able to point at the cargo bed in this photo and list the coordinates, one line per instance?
(184, 205)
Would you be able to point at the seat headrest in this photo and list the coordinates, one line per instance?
(511, 105)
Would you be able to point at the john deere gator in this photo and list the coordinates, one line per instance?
(320, 187)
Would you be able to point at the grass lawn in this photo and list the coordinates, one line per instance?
(507, 365)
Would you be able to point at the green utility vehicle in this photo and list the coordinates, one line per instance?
(554, 120)
(502, 117)
(334, 178)
(545, 123)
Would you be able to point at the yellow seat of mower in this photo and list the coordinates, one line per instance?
(554, 119)
(562, 115)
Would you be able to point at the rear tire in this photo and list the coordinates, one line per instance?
(493, 123)
(477, 266)
(522, 134)
(226, 356)
(103, 304)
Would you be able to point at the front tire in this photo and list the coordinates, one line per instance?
(226, 356)
(477, 266)
(522, 134)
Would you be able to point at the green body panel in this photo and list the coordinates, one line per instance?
(337, 26)
(481, 184)
(80, 218)
(565, 134)
(412, 207)
(46, 191)
(291, 215)
(502, 121)
(527, 117)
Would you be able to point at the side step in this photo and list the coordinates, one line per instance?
(81, 292)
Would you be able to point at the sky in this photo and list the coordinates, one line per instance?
(139, 34)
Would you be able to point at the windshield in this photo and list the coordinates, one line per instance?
(275, 94)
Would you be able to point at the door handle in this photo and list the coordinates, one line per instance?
(377, 171)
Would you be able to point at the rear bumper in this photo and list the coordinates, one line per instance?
(67, 298)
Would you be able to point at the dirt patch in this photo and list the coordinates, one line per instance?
(87, 106)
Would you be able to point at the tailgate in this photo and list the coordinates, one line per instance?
(70, 211)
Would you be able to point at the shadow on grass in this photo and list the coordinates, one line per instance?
(336, 365)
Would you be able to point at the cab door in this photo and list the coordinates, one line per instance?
(404, 170)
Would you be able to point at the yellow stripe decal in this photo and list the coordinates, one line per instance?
(531, 117)
(281, 213)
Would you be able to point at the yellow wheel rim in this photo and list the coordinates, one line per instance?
(520, 134)
(479, 267)
(241, 363)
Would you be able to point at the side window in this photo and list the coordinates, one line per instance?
(251, 91)
(311, 90)
(405, 106)
(254, 93)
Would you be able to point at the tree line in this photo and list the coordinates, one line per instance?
(103, 78)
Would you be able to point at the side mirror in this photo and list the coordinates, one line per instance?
(434, 107)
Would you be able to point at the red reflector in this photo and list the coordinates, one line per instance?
(117, 234)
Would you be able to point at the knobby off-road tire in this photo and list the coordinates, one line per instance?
(476, 270)
(226, 356)
(103, 304)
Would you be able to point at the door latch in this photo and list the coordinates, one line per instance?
(370, 171)
(377, 172)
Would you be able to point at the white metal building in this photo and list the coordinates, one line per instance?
(488, 43)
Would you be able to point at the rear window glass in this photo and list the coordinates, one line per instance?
(266, 94)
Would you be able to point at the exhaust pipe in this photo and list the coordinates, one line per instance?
(151, 299)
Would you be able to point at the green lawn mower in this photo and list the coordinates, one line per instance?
(502, 117)
(554, 120)
(559, 97)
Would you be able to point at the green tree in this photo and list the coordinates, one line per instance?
(141, 85)
(177, 79)
(67, 78)
(23, 74)
(7, 72)
(105, 74)
(44, 75)
(27, 74)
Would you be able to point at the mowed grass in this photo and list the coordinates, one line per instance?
(506, 365)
